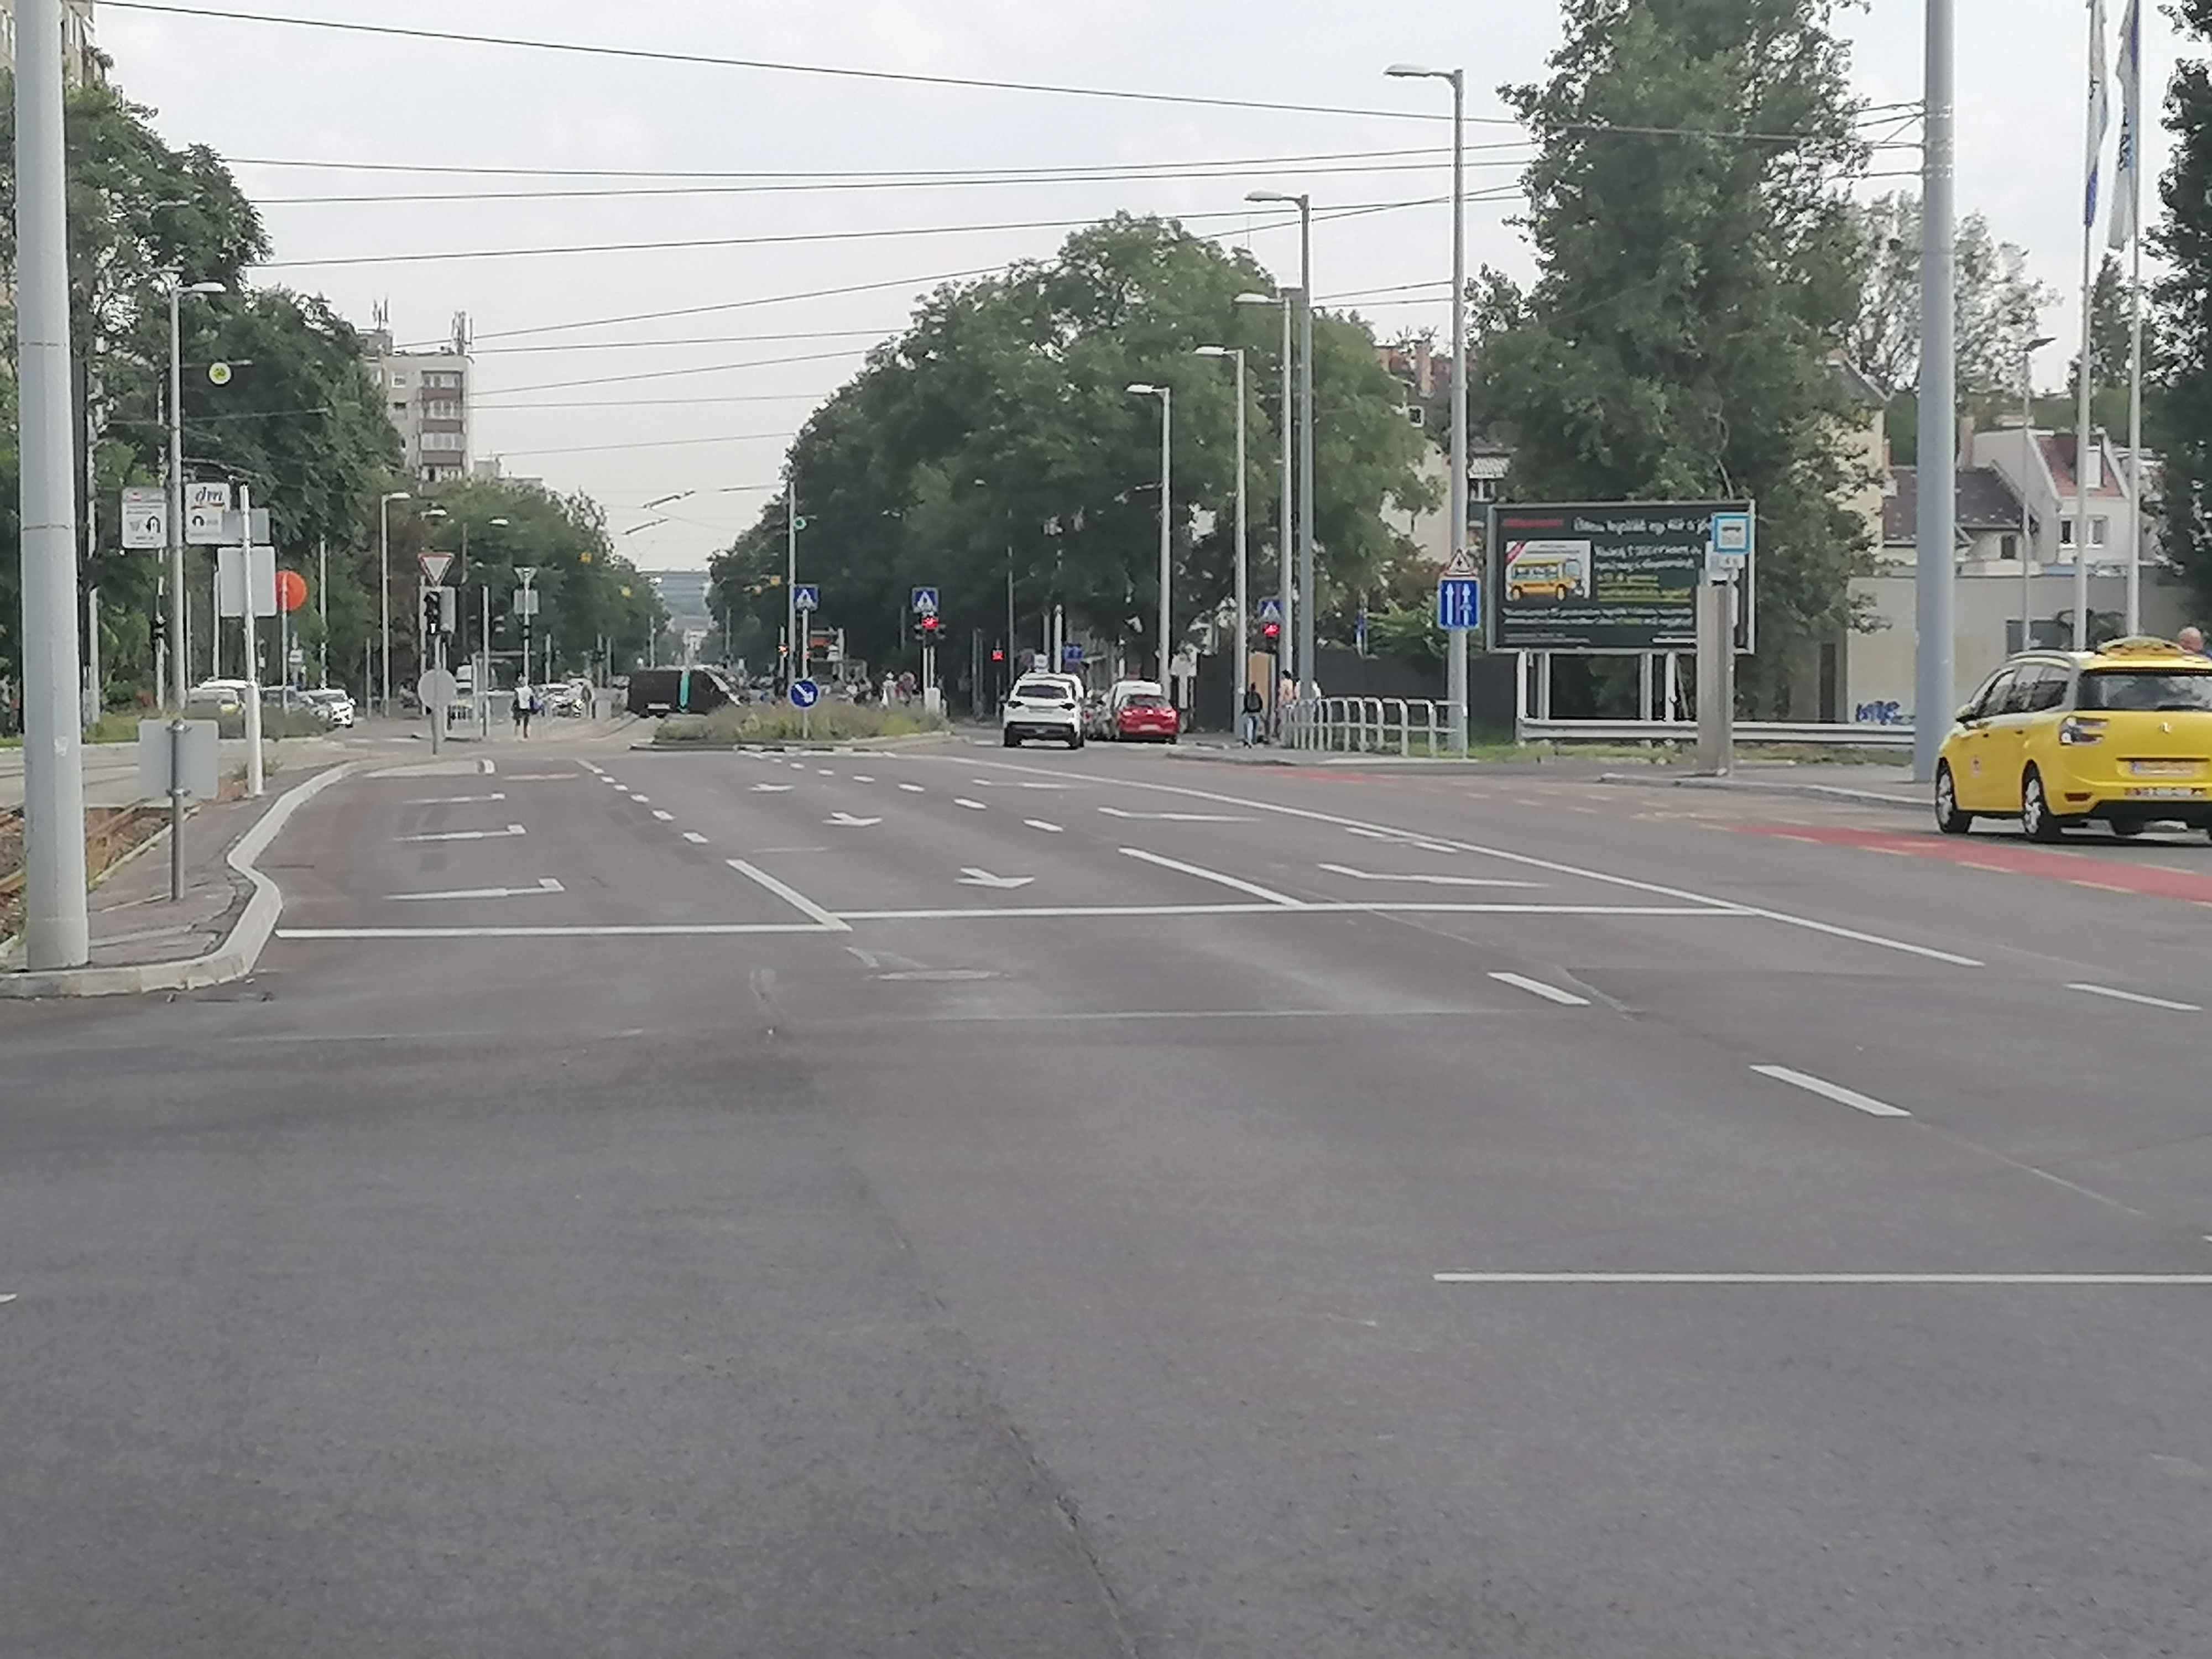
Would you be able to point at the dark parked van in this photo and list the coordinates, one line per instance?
(679, 691)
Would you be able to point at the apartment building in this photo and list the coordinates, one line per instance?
(425, 393)
(82, 59)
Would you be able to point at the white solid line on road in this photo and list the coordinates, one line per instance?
(453, 801)
(1835, 1092)
(671, 930)
(545, 884)
(791, 895)
(847, 821)
(1215, 876)
(1371, 835)
(1824, 1280)
(664, 815)
(972, 805)
(1003, 783)
(773, 788)
(1314, 907)
(1177, 817)
(470, 834)
(1432, 881)
(971, 876)
(1039, 824)
(9, 1296)
(695, 837)
(2137, 996)
(1537, 987)
(541, 777)
(1834, 932)
(912, 789)
(594, 769)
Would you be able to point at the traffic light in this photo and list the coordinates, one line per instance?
(437, 612)
(1271, 637)
(929, 628)
(998, 653)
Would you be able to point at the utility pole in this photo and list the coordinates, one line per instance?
(57, 928)
(1937, 530)
(795, 649)
(253, 774)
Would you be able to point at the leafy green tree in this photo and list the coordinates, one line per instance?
(995, 440)
(1690, 287)
(2184, 295)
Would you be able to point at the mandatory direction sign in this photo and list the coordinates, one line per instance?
(804, 693)
(806, 596)
(1459, 603)
(924, 601)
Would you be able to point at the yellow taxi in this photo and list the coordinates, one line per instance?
(2122, 734)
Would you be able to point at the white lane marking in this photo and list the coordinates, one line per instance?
(486, 767)
(664, 816)
(545, 884)
(470, 834)
(541, 777)
(594, 769)
(695, 837)
(847, 821)
(641, 799)
(2137, 996)
(773, 788)
(673, 930)
(1436, 846)
(1431, 881)
(1003, 783)
(453, 801)
(1528, 860)
(2061, 1279)
(1537, 987)
(9, 1296)
(972, 877)
(1039, 824)
(863, 777)
(1215, 876)
(825, 771)
(1317, 908)
(791, 895)
(1177, 818)
(972, 805)
(912, 789)
(1835, 1092)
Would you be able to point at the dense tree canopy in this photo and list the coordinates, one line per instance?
(2184, 241)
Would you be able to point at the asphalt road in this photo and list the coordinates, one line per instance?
(963, 1202)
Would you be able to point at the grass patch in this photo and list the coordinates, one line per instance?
(776, 723)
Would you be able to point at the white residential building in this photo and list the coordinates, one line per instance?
(425, 393)
(81, 60)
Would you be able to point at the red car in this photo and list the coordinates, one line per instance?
(1145, 717)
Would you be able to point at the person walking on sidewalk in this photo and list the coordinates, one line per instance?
(521, 710)
(1254, 706)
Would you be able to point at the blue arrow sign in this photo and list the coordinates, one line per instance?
(804, 693)
(1271, 610)
(924, 601)
(1071, 654)
(1459, 603)
(807, 597)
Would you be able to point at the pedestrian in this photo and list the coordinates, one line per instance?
(1254, 705)
(520, 711)
(2191, 640)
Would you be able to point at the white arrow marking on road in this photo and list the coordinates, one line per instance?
(1432, 881)
(471, 835)
(972, 805)
(452, 800)
(1039, 824)
(545, 884)
(772, 788)
(846, 820)
(1177, 817)
(971, 877)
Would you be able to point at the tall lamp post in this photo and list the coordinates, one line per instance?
(1306, 587)
(2026, 454)
(1457, 684)
(1243, 598)
(383, 573)
(1166, 395)
(1285, 582)
(180, 659)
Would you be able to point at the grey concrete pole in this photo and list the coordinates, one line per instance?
(1937, 533)
(1456, 683)
(1243, 566)
(1306, 587)
(1287, 580)
(57, 930)
(180, 669)
(1167, 537)
(795, 663)
(384, 598)
(253, 774)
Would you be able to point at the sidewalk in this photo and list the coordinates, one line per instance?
(1876, 786)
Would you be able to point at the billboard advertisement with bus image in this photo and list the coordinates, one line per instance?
(1609, 576)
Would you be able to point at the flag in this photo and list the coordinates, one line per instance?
(2099, 115)
(2127, 181)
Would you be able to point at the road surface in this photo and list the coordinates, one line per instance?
(973, 1202)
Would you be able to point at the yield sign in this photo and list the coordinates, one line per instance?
(1462, 564)
(434, 566)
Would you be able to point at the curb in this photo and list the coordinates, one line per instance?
(1761, 787)
(234, 959)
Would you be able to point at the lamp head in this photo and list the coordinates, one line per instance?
(1144, 388)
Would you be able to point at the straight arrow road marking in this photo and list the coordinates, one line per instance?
(1431, 881)
(1204, 874)
(847, 821)
(545, 884)
(471, 834)
(971, 877)
(453, 801)
(1177, 817)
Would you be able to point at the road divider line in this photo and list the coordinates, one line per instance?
(454, 800)
(1427, 880)
(1537, 987)
(1039, 824)
(863, 777)
(545, 884)
(695, 838)
(791, 895)
(912, 788)
(1177, 818)
(641, 800)
(617, 930)
(847, 821)
(1835, 1092)
(773, 788)
(2087, 1282)
(593, 768)
(2117, 995)
(541, 777)
(972, 805)
(1311, 908)
(1214, 876)
(470, 834)
(664, 816)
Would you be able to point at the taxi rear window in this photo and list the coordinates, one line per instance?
(1043, 691)
(2145, 691)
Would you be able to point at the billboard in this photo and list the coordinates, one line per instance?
(1607, 576)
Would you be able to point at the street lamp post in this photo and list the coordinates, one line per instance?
(1457, 683)
(1166, 395)
(2026, 455)
(1243, 598)
(1306, 587)
(179, 664)
(383, 573)
(1285, 597)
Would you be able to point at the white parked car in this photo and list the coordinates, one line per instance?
(1044, 705)
(334, 705)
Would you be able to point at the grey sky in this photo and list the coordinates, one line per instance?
(259, 91)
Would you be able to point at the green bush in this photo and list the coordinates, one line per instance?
(778, 723)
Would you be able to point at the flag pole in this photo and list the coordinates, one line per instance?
(2085, 370)
(2131, 160)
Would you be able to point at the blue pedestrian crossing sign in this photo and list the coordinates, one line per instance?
(1271, 610)
(806, 596)
(1071, 654)
(804, 693)
(1459, 603)
(924, 601)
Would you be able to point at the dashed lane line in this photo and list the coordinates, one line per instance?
(972, 805)
(1039, 824)
(664, 816)
(695, 838)
(1835, 1092)
(2117, 995)
(1537, 987)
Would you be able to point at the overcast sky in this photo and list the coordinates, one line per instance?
(262, 93)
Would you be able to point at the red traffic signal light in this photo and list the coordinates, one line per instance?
(929, 624)
(998, 653)
(1271, 632)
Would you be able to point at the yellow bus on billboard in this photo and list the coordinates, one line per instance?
(1548, 570)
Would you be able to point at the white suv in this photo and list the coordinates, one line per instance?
(1044, 705)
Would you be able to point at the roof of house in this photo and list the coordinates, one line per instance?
(2058, 451)
(1985, 501)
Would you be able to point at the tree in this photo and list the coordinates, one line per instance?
(1691, 287)
(2184, 242)
(995, 440)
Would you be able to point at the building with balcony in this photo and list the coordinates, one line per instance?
(426, 394)
(83, 61)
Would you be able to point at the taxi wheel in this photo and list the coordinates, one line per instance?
(1949, 818)
(2037, 821)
